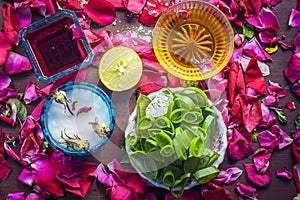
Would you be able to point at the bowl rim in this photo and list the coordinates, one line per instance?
(131, 125)
(229, 31)
(71, 86)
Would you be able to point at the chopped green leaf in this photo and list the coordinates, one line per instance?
(297, 122)
(248, 30)
(281, 116)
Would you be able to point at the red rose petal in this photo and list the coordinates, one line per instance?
(254, 78)
(152, 11)
(261, 180)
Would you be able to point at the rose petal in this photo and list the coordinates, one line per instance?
(267, 119)
(268, 37)
(296, 173)
(4, 165)
(36, 113)
(271, 100)
(211, 191)
(16, 196)
(104, 177)
(277, 89)
(297, 43)
(11, 25)
(8, 93)
(10, 152)
(290, 105)
(50, 8)
(254, 78)
(261, 180)
(26, 177)
(117, 3)
(148, 88)
(84, 109)
(236, 55)
(284, 139)
(238, 39)
(150, 196)
(11, 119)
(4, 80)
(16, 63)
(296, 89)
(246, 191)
(265, 20)
(261, 160)
(4, 48)
(100, 11)
(34, 196)
(294, 20)
(135, 6)
(255, 50)
(228, 176)
(32, 92)
(239, 147)
(292, 71)
(284, 173)
(152, 11)
(150, 76)
(24, 16)
(267, 140)
(123, 192)
(264, 68)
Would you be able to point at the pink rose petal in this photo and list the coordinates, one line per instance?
(211, 191)
(246, 191)
(277, 89)
(228, 176)
(11, 26)
(292, 71)
(4, 48)
(284, 173)
(267, 118)
(267, 140)
(238, 39)
(261, 180)
(268, 37)
(296, 89)
(294, 20)
(16, 63)
(271, 100)
(36, 113)
(261, 160)
(26, 177)
(100, 11)
(123, 192)
(4, 80)
(135, 6)
(32, 92)
(150, 76)
(24, 16)
(284, 139)
(4, 165)
(255, 50)
(152, 11)
(16, 196)
(10, 152)
(265, 20)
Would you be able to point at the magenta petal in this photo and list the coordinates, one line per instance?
(261, 160)
(4, 47)
(267, 119)
(100, 11)
(36, 113)
(26, 177)
(150, 196)
(16, 63)
(32, 93)
(284, 173)
(294, 20)
(246, 191)
(290, 105)
(4, 80)
(238, 39)
(103, 176)
(24, 16)
(228, 176)
(268, 37)
(16, 196)
(261, 180)
(271, 100)
(255, 50)
(296, 89)
(284, 139)
(275, 88)
(150, 76)
(152, 11)
(34, 196)
(10, 152)
(122, 192)
(236, 55)
(187, 195)
(267, 139)
(265, 20)
(292, 71)
(135, 6)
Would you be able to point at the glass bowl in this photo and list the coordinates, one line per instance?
(219, 144)
(193, 40)
(57, 123)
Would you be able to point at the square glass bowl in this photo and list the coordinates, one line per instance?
(53, 49)
(58, 124)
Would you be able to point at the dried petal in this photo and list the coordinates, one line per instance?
(135, 6)
(100, 11)
(123, 192)
(236, 55)
(271, 100)
(16, 63)
(254, 78)
(4, 80)
(84, 109)
(239, 147)
(296, 173)
(255, 50)
(10, 152)
(284, 173)
(36, 113)
(246, 191)
(117, 3)
(268, 37)
(26, 177)
(228, 176)
(267, 119)
(152, 11)
(290, 105)
(11, 116)
(277, 89)
(264, 68)
(261, 160)
(4, 48)
(11, 26)
(267, 140)
(294, 20)
(16, 196)
(211, 191)
(261, 180)
(296, 89)
(187, 195)
(239, 39)
(4, 165)
(284, 139)
(292, 71)
(148, 88)
(32, 92)
(24, 16)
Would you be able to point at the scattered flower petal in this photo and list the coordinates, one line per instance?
(4, 80)
(271, 100)
(24, 15)
(254, 49)
(239, 39)
(187, 195)
(16, 196)
(261, 160)
(32, 92)
(135, 6)
(152, 11)
(290, 105)
(296, 173)
(11, 26)
(277, 89)
(16, 63)
(4, 48)
(10, 152)
(268, 37)
(284, 173)
(5, 167)
(292, 71)
(261, 180)
(296, 89)
(211, 191)
(228, 176)
(264, 68)
(265, 19)
(294, 20)
(246, 191)
(284, 139)
(267, 140)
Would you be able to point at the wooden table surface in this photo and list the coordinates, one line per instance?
(279, 189)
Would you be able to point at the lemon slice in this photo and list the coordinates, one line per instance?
(120, 68)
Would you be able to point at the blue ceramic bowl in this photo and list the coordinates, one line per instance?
(55, 118)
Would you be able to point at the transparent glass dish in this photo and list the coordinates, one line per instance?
(193, 40)
(56, 121)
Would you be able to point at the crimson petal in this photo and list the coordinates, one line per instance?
(4, 47)
(152, 11)
(290, 105)
(134, 6)
(254, 78)
(228, 176)
(11, 25)
(24, 16)
(261, 180)
(100, 11)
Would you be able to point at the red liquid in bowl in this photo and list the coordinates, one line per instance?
(53, 47)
